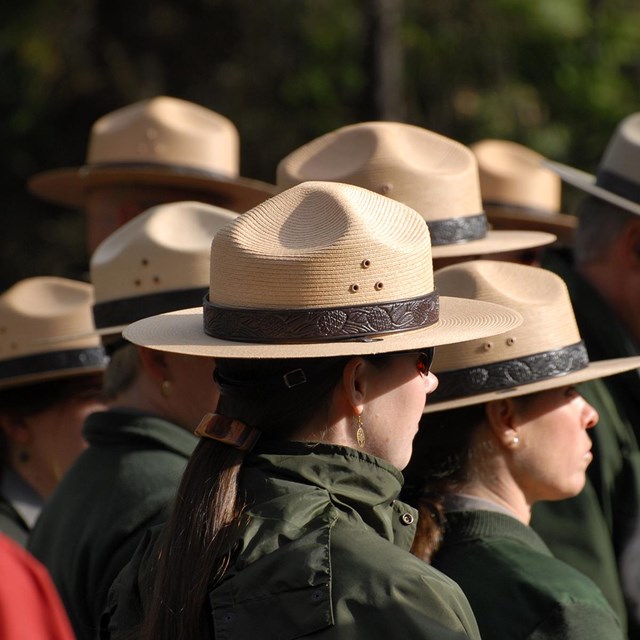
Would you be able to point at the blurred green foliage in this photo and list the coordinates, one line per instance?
(555, 76)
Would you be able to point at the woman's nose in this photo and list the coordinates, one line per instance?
(431, 382)
(591, 416)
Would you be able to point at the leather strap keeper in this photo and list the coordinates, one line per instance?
(228, 431)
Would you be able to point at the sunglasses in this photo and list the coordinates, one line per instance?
(425, 360)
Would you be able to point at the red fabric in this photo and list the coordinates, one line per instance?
(30, 608)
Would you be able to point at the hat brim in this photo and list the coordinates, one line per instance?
(68, 187)
(587, 182)
(460, 320)
(494, 242)
(599, 369)
(562, 225)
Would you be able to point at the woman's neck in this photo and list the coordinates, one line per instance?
(503, 493)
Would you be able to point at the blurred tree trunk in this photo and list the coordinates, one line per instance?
(384, 18)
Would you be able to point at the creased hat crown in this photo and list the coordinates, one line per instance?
(347, 246)
(540, 296)
(513, 175)
(164, 143)
(166, 130)
(432, 174)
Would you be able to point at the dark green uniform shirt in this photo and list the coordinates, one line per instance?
(121, 485)
(325, 555)
(592, 530)
(20, 506)
(516, 588)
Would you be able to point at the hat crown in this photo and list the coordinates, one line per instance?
(428, 172)
(511, 174)
(162, 250)
(540, 296)
(622, 155)
(168, 131)
(321, 245)
(46, 315)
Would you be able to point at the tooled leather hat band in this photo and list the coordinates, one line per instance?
(279, 326)
(507, 374)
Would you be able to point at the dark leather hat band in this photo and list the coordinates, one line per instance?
(276, 326)
(114, 313)
(457, 230)
(53, 361)
(463, 383)
(618, 185)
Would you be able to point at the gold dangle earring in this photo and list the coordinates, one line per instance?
(164, 388)
(360, 439)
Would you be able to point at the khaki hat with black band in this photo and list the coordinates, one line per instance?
(157, 262)
(544, 352)
(618, 177)
(322, 269)
(436, 176)
(162, 141)
(519, 191)
(47, 332)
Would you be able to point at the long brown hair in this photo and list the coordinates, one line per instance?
(208, 510)
(439, 465)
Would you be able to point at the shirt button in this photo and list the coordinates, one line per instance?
(406, 518)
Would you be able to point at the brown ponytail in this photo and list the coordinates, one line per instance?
(439, 465)
(198, 541)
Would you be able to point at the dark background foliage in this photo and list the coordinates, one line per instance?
(555, 76)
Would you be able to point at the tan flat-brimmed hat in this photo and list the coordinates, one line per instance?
(519, 192)
(430, 173)
(322, 269)
(157, 262)
(544, 352)
(46, 332)
(161, 141)
(618, 177)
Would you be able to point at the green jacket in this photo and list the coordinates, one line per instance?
(592, 530)
(516, 588)
(11, 524)
(20, 506)
(325, 555)
(121, 485)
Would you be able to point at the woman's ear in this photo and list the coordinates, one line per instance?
(501, 419)
(355, 384)
(154, 363)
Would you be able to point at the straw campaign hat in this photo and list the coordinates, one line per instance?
(161, 141)
(518, 191)
(618, 177)
(157, 262)
(544, 352)
(322, 269)
(434, 175)
(46, 332)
